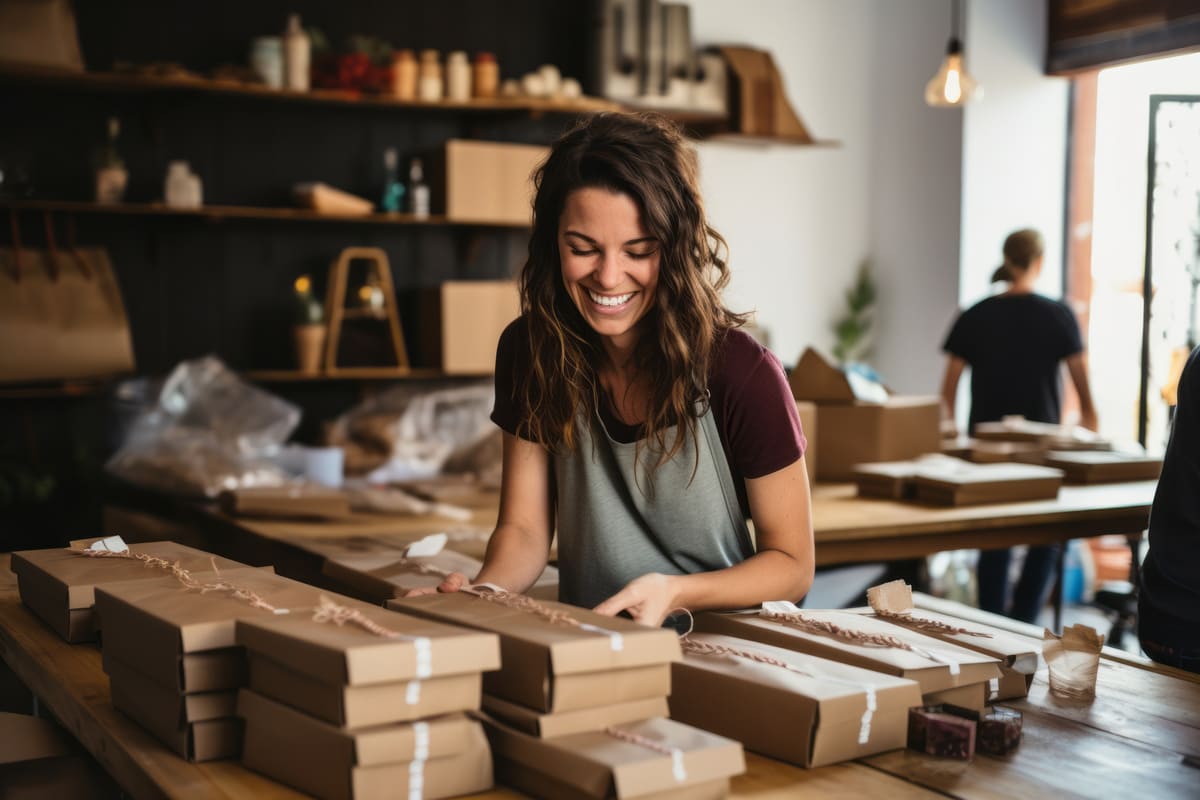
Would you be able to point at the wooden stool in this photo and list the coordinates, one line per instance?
(335, 303)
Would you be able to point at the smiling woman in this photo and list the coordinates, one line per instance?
(639, 422)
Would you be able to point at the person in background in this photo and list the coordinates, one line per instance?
(1169, 599)
(640, 423)
(1015, 343)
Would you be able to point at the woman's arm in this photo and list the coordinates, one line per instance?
(781, 569)
(520, 546)
(954, 369)
(1077, 366)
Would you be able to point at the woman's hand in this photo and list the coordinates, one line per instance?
(648, 599)
(454, 582)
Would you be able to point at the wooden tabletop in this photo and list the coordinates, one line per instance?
(1140, 737)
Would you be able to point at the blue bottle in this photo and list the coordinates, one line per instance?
(392, 198)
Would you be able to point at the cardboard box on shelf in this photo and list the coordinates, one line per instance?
(455, 326)
(448, 754)
(578, 660)
(565, 723)
(811, 713)
(932, 663)
(859, 422)
(672, 761)
(58, 584)
(490, 183)
(372, 704)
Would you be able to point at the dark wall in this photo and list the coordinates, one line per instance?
(194, 286)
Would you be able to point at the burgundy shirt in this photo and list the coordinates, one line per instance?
(751, 402)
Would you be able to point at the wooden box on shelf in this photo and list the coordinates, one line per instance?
(458, 323)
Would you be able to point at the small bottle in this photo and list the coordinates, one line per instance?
(178, 192)
(429, 77)
(111, 175)
(404, 75)
(418, 190)
(458, 77)
(297, 53)
(392, 198)
(485, 75)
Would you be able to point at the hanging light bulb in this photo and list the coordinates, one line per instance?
(952, 86)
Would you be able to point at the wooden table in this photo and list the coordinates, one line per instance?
(1141, 736)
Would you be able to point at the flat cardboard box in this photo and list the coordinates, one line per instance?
(891, 480)
(58, 585)
(808, 720)
(208, 740)
(153, 624)
(169, 702)
(934, 672)
(486, 182)
(858, 432)
(985, 451)
(1096, 466)
(334, 765)
(190, 673)
(808, 424)
(299, 502)
(600, 765)
(1048, 435)
(972, 484)
(368, 747)
(560, 667)
(974, 696)
(352, 656)
(457, 324)
(565, 723)
(361, 706)
(384, 576)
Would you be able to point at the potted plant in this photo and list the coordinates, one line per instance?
(308, 331)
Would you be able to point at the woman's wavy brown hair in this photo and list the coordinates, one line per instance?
(645, 157)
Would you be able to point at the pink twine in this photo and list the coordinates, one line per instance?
(709, 649)
(522, 602)
(329, 611)
(822, 627)
(641, 741)
(927, 625)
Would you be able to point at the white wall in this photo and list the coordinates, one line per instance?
(1015, 140)
(800, 220)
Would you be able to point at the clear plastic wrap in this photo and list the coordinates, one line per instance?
(206, 431)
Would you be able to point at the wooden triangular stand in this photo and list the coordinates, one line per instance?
(761, 107)
(335, 303)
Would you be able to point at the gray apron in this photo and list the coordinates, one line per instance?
(614, 526)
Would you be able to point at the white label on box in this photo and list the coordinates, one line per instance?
(426, 548)
(111, 544)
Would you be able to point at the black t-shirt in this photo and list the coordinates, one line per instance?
(1013, 344)
(1171, 571)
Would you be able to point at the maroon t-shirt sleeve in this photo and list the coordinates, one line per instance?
(755, 409)
(506, 413)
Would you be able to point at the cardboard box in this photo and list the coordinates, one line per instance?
(456, 325)
(984, 451)
(299, 502)
(1103, 467)
(360, 706)
(58, 585)
(809, 719)
(858, 433)
(565, 723)
(552, 666)
(890, 480)
(168, 702)
(973, 696)
(449, 755)
(384, 576)
(207, 740)
(490, 183)
(40, 761)
(972, 484)
(183, 638)
(934, 664)
(808, 424)
(1015, 653)
(600, 765)
(1048, 435)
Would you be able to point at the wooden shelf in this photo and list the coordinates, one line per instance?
(217, 213)
(130, 82)
(353, 374)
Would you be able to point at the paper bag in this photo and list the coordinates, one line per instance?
(61, 316)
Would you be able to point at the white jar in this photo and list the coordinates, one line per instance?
(458, 76)
(182, 188)
(266, 59)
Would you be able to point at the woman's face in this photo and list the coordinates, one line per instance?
(609, 262)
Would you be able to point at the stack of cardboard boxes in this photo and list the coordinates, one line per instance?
(578, 707)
